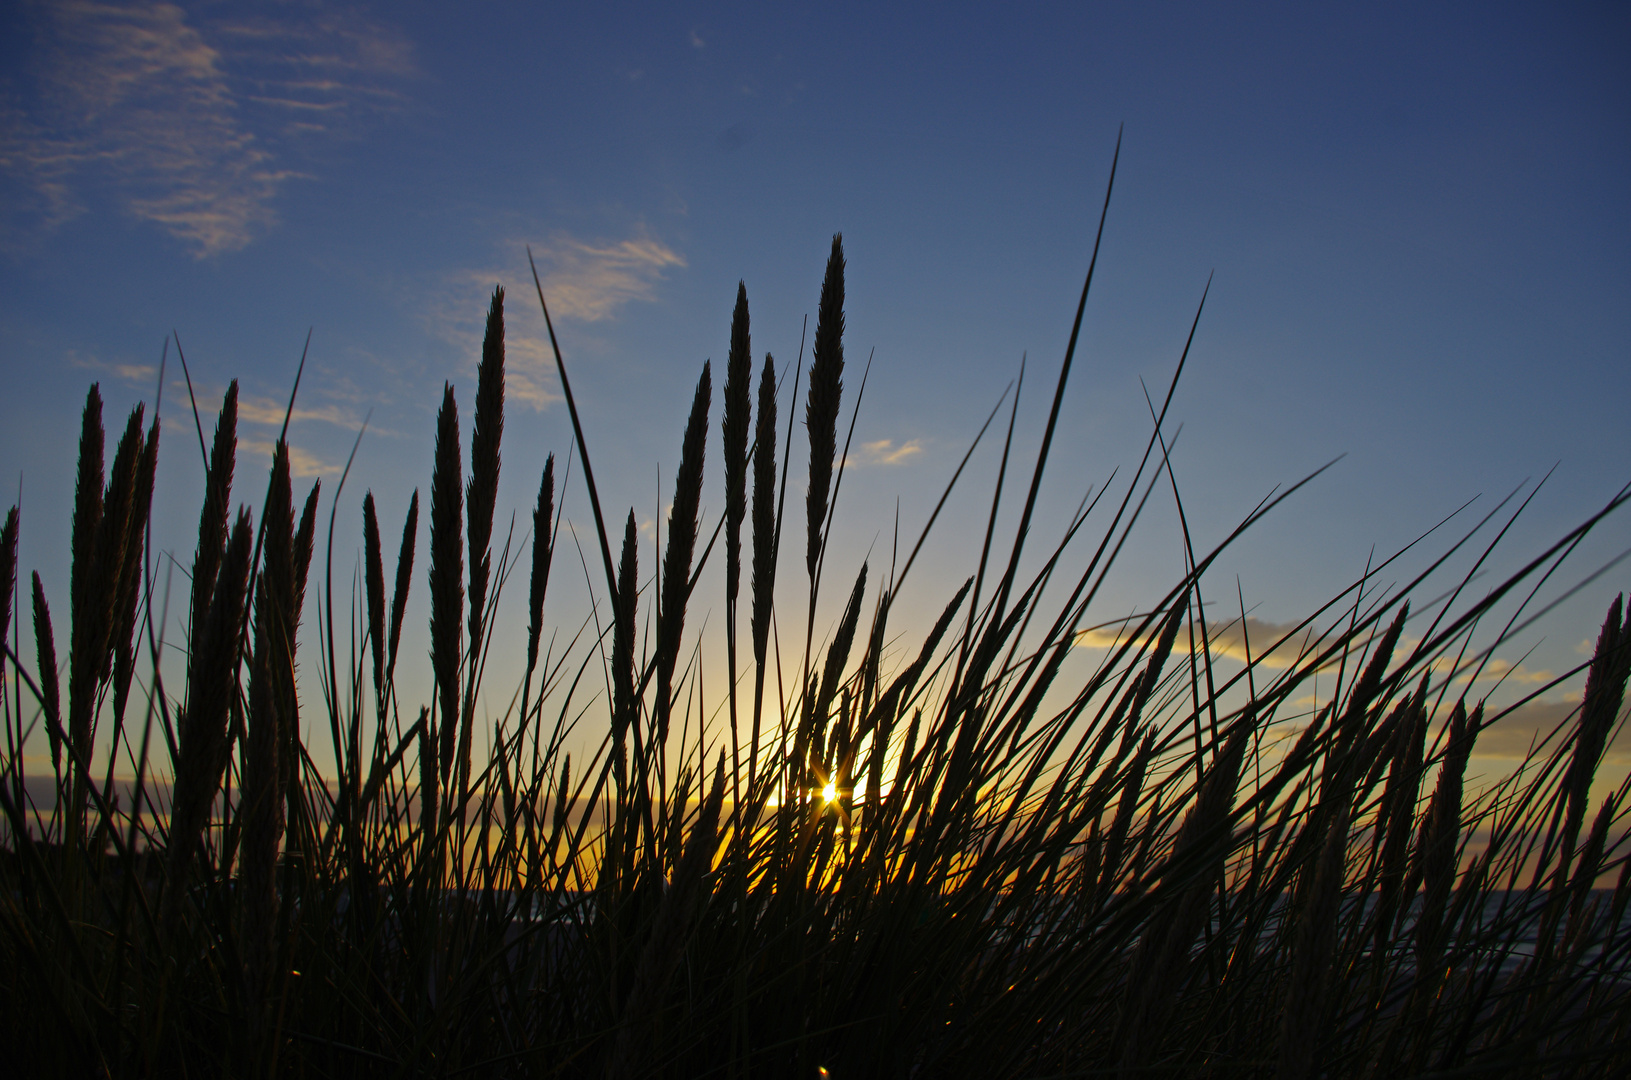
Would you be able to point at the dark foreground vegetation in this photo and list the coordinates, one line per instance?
(945, 857)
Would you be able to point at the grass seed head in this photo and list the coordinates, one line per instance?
(87, 504)
(826, 390)
(446, 577)
(129, 593)
(45, 648)
(212, 522)
(485, 436)
(628, 589)
(734, 429)
(305, 539)
(542, 552)
(404, 578)
(764, 509)
(374, 591)
(682, 540)
(1605, 690)
(210, 690)
(8, 570)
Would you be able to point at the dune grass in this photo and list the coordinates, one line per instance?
(948, 857)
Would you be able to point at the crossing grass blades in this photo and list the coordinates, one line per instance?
(972, 853)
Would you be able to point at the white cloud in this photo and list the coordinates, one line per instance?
(458, 315)
(1228, 639)
(1503, 671)
(138, 95)
(270, 412)
(321, 400)
(130, 373)
(178, 120)
(302, 463)
(886, 452)
(590, 280)
(582, 280)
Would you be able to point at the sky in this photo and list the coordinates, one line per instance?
(1412, 218)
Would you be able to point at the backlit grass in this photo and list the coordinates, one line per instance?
(940, 857)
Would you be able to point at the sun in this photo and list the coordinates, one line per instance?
(830, 792)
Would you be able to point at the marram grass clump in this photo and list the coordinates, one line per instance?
(948, 857)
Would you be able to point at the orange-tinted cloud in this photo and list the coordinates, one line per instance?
(885, 452)
(1275, 645)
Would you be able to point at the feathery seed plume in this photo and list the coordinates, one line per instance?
(202, 751)
(130, 587)
(1605, 690)
(305, 538)
(1591, 859)
(428, 773)
(1397, 811)
(764, 508)
(682, 539)
(8, 570)
(404, 578)
(734, 428)
(114, 554)
(624, 706)
(374, 590)
(826, 390)
(212, 523)
(90, 595)
(87, 510)
(542, 554)
(45, 650)
(1440, 834)
(272, 704)
(446, 577)
(764, 542)
(486, 433)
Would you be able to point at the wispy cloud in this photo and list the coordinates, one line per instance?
(125, 372)
(885, 452)
(586, 281)
(183, 123)
(1274, 645)
(271, 412)
(1498, 670)
(302, 463)
(591, 280)
(261, 416)
(134, 95)
(1279, 645)
(458, 315)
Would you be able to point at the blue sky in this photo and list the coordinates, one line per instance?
(1415, 215)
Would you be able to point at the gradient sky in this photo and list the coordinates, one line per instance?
(1416, 216)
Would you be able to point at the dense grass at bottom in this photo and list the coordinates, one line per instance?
(949, 858)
